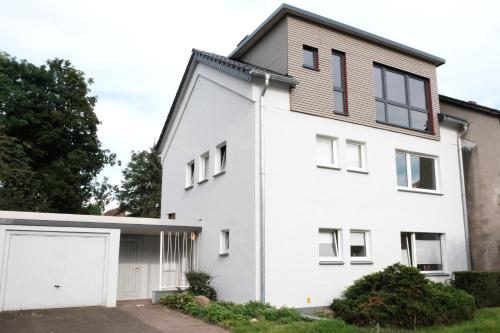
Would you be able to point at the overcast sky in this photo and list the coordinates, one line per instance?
(136, 51)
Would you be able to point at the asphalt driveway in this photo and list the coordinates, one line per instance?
(127, 317)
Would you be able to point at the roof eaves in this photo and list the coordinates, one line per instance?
(469, 105)
(286, 9)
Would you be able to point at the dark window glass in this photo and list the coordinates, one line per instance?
(380, 111)
(397, 115)
(419, 120)
(338, 77)
(377, 74)
(423, 172)
(310, 57)
(338, 101)
(401, 169)
(417, 93)
(395, 84)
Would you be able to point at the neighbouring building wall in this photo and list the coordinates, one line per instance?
(482, 176)
(314, 93)
(271, 51)
(216, 108)
(301, 198)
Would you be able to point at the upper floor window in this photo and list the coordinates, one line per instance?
(221, 158)
(401, 99)
(355, 155)
(339, 83)
(189, 175)
(422, 250)
(224, 242)
(327, 152)
(204, 167)
(310, 55)
(416, 171)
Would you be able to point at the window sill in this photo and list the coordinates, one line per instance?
(361, 262)
(358, 171)
(202, 181)
(428, 273)
(325, 166)
(225, 254)
(404, 127)
(340, 113)
(220, 173)
(331, 262)
(312, 68)
(405, 189)
(188, 187)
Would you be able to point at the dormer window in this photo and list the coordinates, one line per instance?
(310, 57)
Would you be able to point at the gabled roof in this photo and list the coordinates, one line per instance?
(286, 9)
(232, 67)
(469, 105)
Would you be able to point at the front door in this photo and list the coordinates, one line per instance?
(129, 270)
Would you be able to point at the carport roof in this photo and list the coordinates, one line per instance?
(127, 225)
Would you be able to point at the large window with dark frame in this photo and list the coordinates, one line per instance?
(402, 99)
(339, 84)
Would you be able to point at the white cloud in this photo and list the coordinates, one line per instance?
(137, 50)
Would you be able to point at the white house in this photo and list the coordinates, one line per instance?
(311, 156)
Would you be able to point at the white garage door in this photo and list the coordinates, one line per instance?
(54, 269)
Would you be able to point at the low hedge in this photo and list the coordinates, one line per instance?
(483, 286)
(401, 296)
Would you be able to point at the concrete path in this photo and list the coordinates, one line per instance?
(127, 317)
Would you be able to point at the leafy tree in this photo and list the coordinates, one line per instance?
(52, 153)
(102, 194)
(140, 192)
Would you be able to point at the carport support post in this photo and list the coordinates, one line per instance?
(161, 260)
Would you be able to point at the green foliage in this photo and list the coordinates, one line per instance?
(140, 192)
(483, 286)
(200, 283)
(401, 296)
(50, 152)
(227, 312)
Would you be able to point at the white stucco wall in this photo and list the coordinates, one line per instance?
(216, 108)
(301, 198)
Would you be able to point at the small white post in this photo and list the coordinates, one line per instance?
(161, 260)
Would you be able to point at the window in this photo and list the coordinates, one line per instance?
(189, 174)
(359, 244)
(416, 172)
(220, 166)
(204, 167)
(224, 242)
(310, 55)
(326, 151)
(339, 83)
(422, 250)
(329, 245)
(401, 99)
(355, 155)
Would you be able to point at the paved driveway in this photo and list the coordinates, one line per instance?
(127, 317)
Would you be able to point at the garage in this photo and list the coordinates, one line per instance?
(47, 267)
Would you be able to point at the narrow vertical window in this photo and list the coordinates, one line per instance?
(189, 175)
(204, 167)
(329, 245)
(339, 83)
(326, 148)
(224, 242)
(355, 155)
(221, 159)
(310, 55)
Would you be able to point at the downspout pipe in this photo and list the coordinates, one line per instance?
(262, 192)
(461, 134)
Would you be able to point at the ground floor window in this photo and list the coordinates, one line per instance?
(329, 245)
(359, 245)
(422, 250)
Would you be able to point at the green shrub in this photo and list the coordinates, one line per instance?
(401, 296)
(180, 301)
(483, 286)
(200, 283)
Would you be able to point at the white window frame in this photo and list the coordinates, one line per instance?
(190, 176)
(334, 152)
(224, 242)
(332, 259)
(204, 167)
(362, 145)
(366, 259)
(414, 251)
(408, 187)
(218, 166)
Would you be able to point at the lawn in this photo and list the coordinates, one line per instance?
(485, 321)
